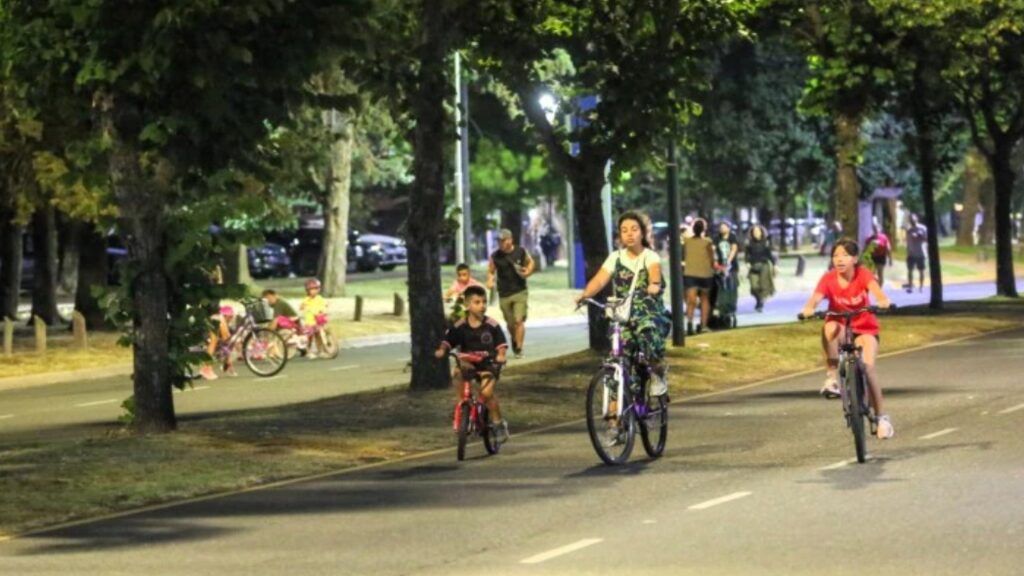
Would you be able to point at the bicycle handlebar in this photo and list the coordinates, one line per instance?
(601, 305)
(823, 314)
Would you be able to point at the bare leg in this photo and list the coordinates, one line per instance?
(519, 335)
(705, 308)
(489, 397)
(831, 333)
(691, 303)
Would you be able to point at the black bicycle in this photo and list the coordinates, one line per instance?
(853, 381)
(619, 400)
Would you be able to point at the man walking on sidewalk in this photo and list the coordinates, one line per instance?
(512, 265)
(917, 236)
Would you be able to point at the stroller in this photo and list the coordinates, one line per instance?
(724, 296)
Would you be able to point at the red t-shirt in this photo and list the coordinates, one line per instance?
(853, 297)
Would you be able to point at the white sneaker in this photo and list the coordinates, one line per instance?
(830, 389)
(885, 429)
(312, 355)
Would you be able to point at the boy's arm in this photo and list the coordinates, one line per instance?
(491, 269)
(449, 342)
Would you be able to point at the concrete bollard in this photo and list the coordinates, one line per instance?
(358, 316)
(78, 332)
(801, 263)
(8, 337)
(399, 305)
(40, 327)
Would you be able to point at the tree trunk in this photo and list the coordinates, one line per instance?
(92, 274)
(334, 256)
(426, 201)
(68, 233)
(587, 183)
(10, 265)
(44, 286)
(926, 167)
(1002, 171)
(987, 199)
(976, 175)
(847, 187)
(783, 247)
(236, 266)
(141, 201)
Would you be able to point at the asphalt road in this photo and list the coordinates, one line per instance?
(64, 409)
(754, 481)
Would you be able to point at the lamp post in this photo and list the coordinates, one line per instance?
(675, 250)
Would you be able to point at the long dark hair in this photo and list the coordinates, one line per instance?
(642, 220)
(699, 227)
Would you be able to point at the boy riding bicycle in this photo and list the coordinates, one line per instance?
(846, 287)
(478, 333)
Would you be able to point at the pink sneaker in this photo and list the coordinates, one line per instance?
(207, 373)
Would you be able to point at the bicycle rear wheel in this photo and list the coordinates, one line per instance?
(611, 437)
(654, 427)
(265, 352)
(855, 409)
(462, 432)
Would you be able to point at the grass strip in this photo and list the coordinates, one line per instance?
(48, 483)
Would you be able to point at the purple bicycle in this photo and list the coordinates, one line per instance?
(619, 400)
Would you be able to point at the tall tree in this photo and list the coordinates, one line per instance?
(182, 95)
(643, 62)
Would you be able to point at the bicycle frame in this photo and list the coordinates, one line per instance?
(620, 364)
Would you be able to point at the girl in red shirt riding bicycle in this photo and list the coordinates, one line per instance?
(846, 288)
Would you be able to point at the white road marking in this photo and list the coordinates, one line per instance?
(6, 416)
(722, 500)
(339, 368)
(937, 434)
(836, 466)
(649, 521)
(278, 377)
(561, 551)
(1012, 409)
(97, 403)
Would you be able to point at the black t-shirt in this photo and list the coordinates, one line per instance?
(487, 337)
(722, 248)
(509, 281)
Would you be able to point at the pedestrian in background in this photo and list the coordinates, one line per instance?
(510, 266)
(698, 275)
(761, 262)
(917, 235)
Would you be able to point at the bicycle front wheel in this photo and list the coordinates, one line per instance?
(462, 432)
(265, 352)
(330, 349)
(855, 409)
(654, 427)
(612, 436)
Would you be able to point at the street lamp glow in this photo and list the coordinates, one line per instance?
(549, 105)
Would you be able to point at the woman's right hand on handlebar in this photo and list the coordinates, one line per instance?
(806, 314)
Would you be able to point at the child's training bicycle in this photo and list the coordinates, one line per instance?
(619, 400)
(298, 338)
(471, 415)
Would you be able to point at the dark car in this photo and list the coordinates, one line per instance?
(269, 260)
(305, 245)
(391, 251)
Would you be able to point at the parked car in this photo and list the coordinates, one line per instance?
(269, 260)
(390, 250)
(305, 245)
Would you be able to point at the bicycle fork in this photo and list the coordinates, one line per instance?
(620, 383)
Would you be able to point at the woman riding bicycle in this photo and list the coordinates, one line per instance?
(846, 287)
(635, 271)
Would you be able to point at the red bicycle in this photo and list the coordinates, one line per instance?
(471, 417)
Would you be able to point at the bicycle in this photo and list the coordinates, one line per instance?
(471, 415)
(853, 386)
(262, 349)
(296, 338)
(619, 400)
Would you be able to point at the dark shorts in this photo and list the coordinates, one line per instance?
(880, 261)
(915, 262)
(697, 283)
